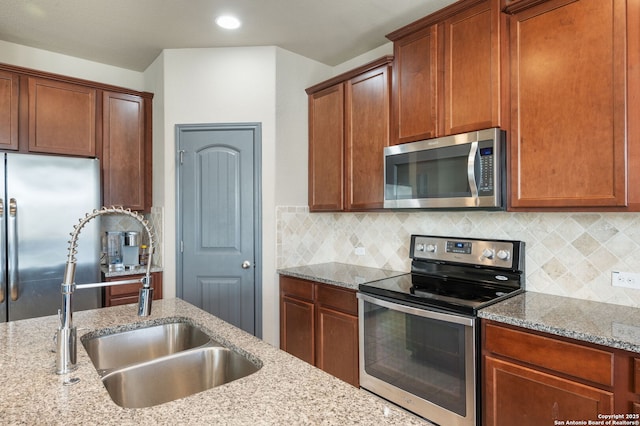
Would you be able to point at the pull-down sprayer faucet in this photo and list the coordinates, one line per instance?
(66, 338)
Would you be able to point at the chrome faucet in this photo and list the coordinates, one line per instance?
(66, 338)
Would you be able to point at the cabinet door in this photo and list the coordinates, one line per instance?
(326, 149)
(472, 65)
(124, 155)
(62, 118)
(415, 77)
(367, 129)
(568, 73)
(297, 324)
(337, 344)
(519, 395)
(9, 86)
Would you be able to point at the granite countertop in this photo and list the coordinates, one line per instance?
(126, 272)
(285, 390)
(594, 322)
(339, 274)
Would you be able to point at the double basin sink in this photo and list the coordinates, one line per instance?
(160, 363)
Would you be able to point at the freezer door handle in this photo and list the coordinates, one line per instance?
(3, 251)
(12, 253)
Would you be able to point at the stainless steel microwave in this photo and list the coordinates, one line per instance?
(464, 171)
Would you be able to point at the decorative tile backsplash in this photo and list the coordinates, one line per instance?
(567, 254)
(127, 223)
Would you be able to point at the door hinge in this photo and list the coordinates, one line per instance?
(181, 154)
(181, 246)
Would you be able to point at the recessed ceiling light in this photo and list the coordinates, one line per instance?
(228, 22)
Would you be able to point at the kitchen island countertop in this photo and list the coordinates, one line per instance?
(605, 324)
(285, 390)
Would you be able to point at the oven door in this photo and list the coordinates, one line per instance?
(419, 359)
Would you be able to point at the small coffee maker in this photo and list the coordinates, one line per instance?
(115, 241)
(131, 249)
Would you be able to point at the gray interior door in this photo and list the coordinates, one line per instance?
(218, 220)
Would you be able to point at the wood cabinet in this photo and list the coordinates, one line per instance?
(533, 378)
(326, 149)
(54, 114)
(348, 130)
(319, 324)
(126, 151)
(129, 293)
(447, 72)
(62, 118)
(569, 105)
(9, 93)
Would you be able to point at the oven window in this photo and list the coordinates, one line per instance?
(422, 356)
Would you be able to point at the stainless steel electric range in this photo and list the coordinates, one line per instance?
(419, 332)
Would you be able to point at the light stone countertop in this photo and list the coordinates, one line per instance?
(605, 324)
(339, 274)
(285, 391)
(126, 272)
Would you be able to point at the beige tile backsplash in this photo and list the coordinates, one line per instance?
(567, 254)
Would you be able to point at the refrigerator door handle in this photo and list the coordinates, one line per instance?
(3, 251)
(12, 252)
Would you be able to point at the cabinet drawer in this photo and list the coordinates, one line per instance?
(296, 287)
(579, 361)
(340, 299)
(125, 289)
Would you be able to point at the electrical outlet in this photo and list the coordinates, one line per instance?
(625, 279)
(360, 251)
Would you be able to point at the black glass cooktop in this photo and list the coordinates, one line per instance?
(454, 294)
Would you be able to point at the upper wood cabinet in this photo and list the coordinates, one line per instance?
(62, 118)
(570, 65)
(54, 114)
(446, 72)
(126, 151)
(348, 130)
(368, 100)
(326, 149)
(9, 92)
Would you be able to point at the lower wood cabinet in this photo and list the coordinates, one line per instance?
(533, 378)
(129, 293)
(319, 324)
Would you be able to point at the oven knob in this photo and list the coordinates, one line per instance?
(430, 248)
(488, 253)
(419, 247)
(503, 254)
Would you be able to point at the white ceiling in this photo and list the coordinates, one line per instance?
(132, 33)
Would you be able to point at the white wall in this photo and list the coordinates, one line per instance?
(28, 57)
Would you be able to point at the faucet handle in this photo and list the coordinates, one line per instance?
(144, 301)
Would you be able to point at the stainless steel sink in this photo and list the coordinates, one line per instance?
(143, 344)
(156, 364)
(176, 376)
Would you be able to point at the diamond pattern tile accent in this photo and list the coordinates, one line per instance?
(568, 254)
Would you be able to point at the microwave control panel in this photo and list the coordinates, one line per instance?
(487, 167)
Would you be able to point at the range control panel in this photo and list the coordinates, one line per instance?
(490, 253)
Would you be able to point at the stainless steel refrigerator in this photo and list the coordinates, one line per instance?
(42, 197)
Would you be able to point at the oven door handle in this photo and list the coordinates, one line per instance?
(426, 313)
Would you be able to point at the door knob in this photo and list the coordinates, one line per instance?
(246, 264)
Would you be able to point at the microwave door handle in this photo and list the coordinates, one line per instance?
(471, 172)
